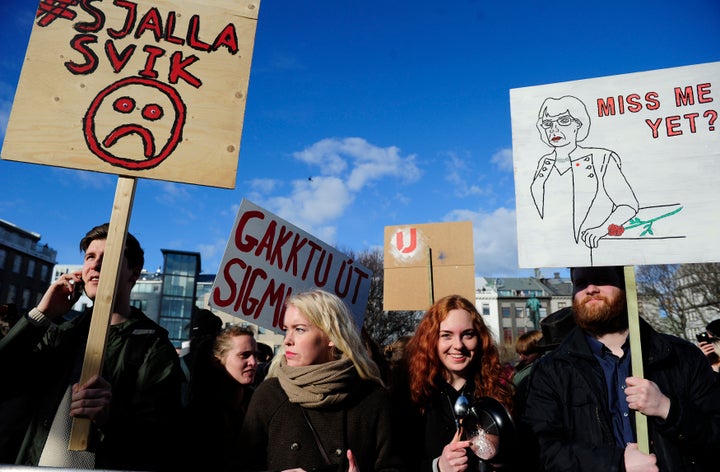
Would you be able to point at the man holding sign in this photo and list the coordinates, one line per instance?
(581, 394)
(133, 404)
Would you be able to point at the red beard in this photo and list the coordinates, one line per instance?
(597, 319)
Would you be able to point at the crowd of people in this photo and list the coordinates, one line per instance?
(440, 400)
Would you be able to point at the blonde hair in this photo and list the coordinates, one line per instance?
(332, 316)
(223, 341)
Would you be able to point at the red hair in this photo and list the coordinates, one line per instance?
(426, 372)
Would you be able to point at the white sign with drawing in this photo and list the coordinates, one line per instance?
(618, 170)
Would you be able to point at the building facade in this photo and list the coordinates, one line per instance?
(507, 304)
(26, 266)
(171, 295)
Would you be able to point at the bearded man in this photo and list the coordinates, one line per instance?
(582, 396)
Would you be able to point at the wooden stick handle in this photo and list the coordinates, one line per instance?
(105, 299)
(431, 281)
(641, 425)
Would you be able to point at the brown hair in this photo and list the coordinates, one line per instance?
(528, 343)
(425, 370)
(134, 254)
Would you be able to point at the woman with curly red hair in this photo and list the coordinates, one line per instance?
(452, 353)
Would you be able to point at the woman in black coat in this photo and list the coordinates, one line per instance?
(323, 405)
(451, 354)
(220, 395)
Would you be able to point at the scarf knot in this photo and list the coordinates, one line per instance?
(316, 386)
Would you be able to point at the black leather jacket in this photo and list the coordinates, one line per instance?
(569, 422)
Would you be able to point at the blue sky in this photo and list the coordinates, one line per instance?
(399, 111)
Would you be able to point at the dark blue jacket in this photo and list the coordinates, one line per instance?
(570, 425)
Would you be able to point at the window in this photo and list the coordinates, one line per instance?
(507, 335)
(519, 311)
(139, 304)
(17, 262)
(505, 311)
(486, 309)
(3, 256)
(44, 273)
(12, 293)
(25, 298)
(30, 272)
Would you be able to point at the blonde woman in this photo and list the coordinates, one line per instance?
(220, 398)
(323, 405)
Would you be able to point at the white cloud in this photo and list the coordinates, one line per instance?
(263, 185)
(84, 179)
(171, 193)
(494, 240)
(367, 163)
(344, 168)
(323, 154)
(312, 204)
(211, 254)
(460, 175)
(503, 159)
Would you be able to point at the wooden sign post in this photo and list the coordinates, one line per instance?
(138, 89)
(105, 299)
(641, 425)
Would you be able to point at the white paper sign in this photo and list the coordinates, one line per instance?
(267, 259)
(619, 170)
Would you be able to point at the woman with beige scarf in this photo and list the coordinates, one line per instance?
(323, 406)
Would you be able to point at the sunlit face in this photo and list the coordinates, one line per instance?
(457, 344)
(240, 360)
(305, 343)
(598, 304)
(560, 130)
(92, 264)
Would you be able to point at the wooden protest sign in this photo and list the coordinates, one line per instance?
(267, 259)
(424, 262)
(138, 89)
(639, 185)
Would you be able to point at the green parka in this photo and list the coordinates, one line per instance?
(141, 365)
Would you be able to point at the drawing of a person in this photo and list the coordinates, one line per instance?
(586, 182)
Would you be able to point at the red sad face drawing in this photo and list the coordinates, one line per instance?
(135, 123)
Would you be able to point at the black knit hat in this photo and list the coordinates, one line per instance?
(205, 322)
(584, 276)
(713, 328)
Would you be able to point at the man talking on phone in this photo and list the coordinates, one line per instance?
(133, 405)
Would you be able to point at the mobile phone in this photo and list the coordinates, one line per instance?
(77, 290)
(703, 337)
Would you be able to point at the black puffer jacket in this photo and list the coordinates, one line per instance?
(568, 418)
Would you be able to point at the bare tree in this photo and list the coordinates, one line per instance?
(674, 298)
(384, 327)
